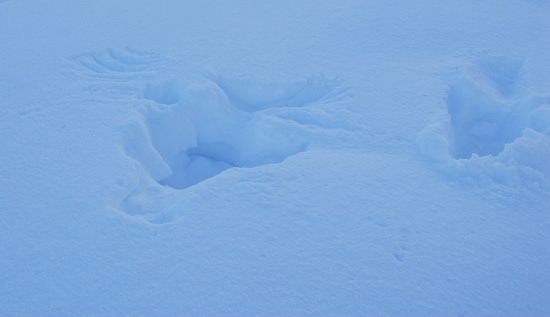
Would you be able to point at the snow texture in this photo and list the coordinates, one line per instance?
(274, 158)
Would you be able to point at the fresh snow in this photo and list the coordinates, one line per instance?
(274, 157)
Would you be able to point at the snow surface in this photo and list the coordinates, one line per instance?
(274, 157)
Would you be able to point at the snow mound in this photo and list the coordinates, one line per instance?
(492, 127)
(183, 135)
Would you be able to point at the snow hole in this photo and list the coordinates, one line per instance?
(185, 135)
(492, 124)
(483, 119)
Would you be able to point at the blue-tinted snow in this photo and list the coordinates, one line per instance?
(281, 158)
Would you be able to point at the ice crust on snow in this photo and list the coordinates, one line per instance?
(493, 126)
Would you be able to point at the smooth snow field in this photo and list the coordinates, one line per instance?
(274, 158)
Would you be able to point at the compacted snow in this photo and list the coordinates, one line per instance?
(274, 158)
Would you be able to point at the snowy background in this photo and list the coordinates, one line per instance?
(356, 157)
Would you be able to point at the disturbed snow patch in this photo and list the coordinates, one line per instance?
(114, 73)
(198, 133)
(116, 64)
(185, 135)
(492, 127)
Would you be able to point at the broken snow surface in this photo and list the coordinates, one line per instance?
(274, 157)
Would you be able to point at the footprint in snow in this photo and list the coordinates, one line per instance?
(492, 126)
(186, 135)
(115, 64)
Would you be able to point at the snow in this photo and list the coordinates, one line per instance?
(274, 158)
(493, 127)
